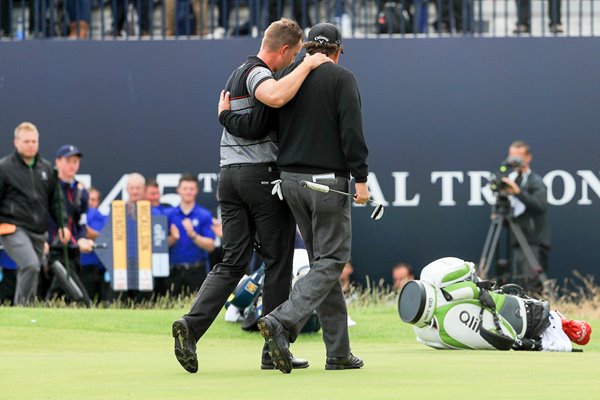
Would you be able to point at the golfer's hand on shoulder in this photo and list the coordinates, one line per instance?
(316, 59)
(224, 103)
(361, 194)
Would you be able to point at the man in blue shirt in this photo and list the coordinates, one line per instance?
(190, 240)
(152, 194)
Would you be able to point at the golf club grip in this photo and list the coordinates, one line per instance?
(315, 186)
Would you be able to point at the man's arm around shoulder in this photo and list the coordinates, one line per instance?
(276, 93)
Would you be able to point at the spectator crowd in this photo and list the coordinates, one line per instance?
(85, 19)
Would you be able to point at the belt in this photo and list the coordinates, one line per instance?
(187, 266)
(240, 165)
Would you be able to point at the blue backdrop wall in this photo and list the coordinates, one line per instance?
(438, 113)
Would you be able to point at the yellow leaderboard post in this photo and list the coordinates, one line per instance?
(119, 234)
(144, 242)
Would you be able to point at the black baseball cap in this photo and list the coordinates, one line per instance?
(325, 32)
(68, 150)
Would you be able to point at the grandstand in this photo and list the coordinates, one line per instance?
(357, 18)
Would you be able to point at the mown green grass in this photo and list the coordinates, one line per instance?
(127, 354)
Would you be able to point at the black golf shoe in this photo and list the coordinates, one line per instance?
(349, 362)
(277, 340)
(267, 363)
(185, 346)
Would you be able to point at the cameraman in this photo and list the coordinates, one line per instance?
(530, 205)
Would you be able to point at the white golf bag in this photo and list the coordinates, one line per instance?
(451, 308)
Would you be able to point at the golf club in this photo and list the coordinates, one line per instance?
(377, 212)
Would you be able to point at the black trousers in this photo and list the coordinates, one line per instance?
(92, 277)
(248, 210)
(8, 285)
(524, 12)
(120, 9)
(522, 273)
(182, 279)
(301, 12)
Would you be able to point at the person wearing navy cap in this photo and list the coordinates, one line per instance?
(27, 197)
(75, 198)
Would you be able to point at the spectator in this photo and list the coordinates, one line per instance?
(450, 16)
(191, 239)
(152, 194)
(300, 11)
(402, 273)
(524, 16)
(200, 8)
(345, 280)
(347, 286)
(135, 189)
(120, 12)
(94, 276)
(530, 211)
(5, 19)
(94, 199)
(28, 195)
(79, 12)
(75, 198)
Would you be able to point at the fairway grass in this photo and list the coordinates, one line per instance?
(128, 354)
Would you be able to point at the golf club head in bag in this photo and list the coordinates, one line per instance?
(317, 187)
(70, 283)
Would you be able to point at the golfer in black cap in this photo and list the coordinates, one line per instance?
(320, 140)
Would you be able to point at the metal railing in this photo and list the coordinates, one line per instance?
(217, 19)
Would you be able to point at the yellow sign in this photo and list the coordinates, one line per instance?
(119, 234)
(144, 244)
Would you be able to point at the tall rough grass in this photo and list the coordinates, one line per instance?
(577, 297)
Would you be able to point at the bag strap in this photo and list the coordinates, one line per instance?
(497, 339)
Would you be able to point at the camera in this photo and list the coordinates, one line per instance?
(506, 167)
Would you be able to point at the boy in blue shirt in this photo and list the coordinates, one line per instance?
(191, 239)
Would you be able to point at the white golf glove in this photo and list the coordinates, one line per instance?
(277, 188)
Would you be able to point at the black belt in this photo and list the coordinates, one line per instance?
(240, 165)
(187, 266)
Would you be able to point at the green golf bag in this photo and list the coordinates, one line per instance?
(451, 308)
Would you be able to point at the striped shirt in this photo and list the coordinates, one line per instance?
(242, 85)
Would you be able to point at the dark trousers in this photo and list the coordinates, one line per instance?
(522, 272)
(182, 279)
(300, 10)
(92, 277)
(8, 285)
(248, 210)
(120, 8)
(5, 19)
(453, 15)
(524, 12)
(325, 225)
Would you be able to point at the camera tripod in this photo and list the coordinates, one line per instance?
(502, 218)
